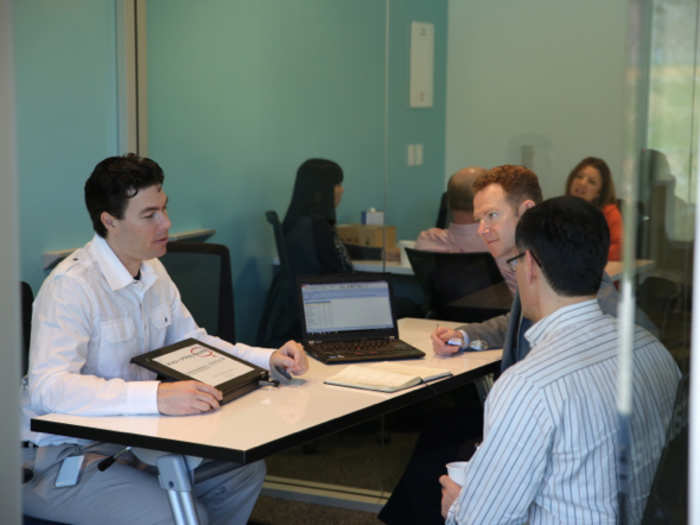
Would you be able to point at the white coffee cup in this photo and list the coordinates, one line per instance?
(457, 470)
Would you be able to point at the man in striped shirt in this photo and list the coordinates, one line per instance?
(501, 196)
(551, 426)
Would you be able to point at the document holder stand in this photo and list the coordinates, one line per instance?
(193, 360)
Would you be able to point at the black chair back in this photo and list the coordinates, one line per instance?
(446, 277)
(26, 300)
(202, 273)
(668, 497)
(280, 243)
(441, 221)
(642, 251)
(280, 320)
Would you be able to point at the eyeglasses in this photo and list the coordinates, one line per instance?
(513, 261)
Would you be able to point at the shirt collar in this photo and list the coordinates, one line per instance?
(114, 270)
(559, 319)
(464, 229)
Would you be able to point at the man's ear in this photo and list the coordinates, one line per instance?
(530, 267)
(524, 206)
(108, 220)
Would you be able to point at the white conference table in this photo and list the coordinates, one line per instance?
(271, 419)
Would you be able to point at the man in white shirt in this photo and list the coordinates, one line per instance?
(107, 302)
(551, 426)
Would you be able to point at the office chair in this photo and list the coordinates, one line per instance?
(202, 273)
(446, 277)
(279, 320)
(26, 300)
(642, 251)
(280, 243)
(441, 221)
(668, 497)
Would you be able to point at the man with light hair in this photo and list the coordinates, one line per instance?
(462, 232)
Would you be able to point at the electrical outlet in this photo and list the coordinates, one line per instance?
(419, 154)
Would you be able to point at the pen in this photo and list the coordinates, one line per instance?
(283, 372)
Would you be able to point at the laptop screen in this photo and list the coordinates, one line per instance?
(339, 307)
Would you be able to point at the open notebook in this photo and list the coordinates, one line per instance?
(385, 377)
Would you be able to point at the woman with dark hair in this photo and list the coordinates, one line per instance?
(312, 246)
(309, 225)
(591, 181)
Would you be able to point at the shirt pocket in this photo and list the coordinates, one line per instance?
(159, 319)
(118, 345)
(117, 330)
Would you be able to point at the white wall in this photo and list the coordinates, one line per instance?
(10, 504)
(541, 73)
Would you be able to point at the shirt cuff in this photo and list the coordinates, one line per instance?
(453, 511)
(142, 397)
(465, 340)
(255, 354)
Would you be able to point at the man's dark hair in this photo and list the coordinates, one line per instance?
(569, 238)
(518, 182)
(114, 181)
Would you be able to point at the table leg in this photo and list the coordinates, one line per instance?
(175, 477)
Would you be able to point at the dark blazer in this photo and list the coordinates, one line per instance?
(508, 331)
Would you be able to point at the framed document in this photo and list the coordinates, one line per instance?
(192, 359)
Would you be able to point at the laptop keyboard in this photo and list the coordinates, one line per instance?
(364, 347)
(362, 350)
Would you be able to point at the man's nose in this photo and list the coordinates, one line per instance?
(166, 224)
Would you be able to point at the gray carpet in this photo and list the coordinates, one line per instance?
(362, 457)
(371, 456)
(275, 511)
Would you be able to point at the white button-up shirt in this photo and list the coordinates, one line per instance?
(89, 319)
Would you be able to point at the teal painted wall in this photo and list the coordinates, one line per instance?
(544, 73)
(414, 192)
(240, 93)
(66, 118)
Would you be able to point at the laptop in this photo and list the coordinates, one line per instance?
(348, 318)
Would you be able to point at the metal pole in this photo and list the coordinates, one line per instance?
(175, 476)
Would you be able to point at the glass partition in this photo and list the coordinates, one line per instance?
(240, 94)
(660, 178)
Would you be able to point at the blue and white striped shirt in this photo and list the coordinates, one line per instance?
(549, 450)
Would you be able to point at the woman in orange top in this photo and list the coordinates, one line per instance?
(591, 181)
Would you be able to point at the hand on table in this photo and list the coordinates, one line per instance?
(439, 338)
(291, 357)
(450, 491)
(181, 398)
